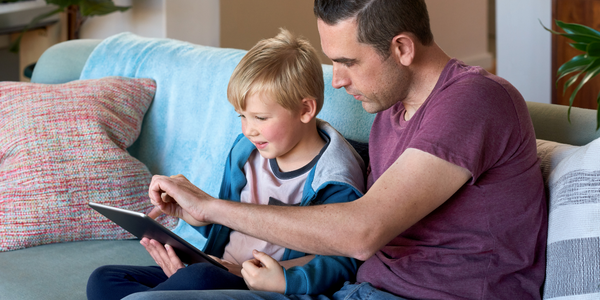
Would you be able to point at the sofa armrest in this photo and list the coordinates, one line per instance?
(551, 123)
(63, 62)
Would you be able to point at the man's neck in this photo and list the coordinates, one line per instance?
(427, 68)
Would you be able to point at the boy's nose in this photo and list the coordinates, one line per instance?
(249, 130)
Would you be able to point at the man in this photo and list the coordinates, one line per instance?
(455, 207)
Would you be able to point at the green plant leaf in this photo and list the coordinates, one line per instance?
(579, 37)
(99, 7)
(570, 81)
(593, 50)
(585, 39)
(592, 70)
(577, 63)
(580, 46)
(574, 28)
(561, 76)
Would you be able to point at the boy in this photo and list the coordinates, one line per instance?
(285, 156)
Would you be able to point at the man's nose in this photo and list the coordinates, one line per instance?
(340, 78)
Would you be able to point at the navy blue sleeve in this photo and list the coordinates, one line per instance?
(324, 274)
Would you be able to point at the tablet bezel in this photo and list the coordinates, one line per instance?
(141, 225)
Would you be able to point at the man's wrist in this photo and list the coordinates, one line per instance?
(211, 209)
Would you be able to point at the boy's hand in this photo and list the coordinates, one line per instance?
(263, 273)
(164, 256)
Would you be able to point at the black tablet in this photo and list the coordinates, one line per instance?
(141, 225)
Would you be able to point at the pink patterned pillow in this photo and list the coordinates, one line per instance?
(64, 145)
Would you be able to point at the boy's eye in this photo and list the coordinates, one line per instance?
(261, 118)
(241, 116)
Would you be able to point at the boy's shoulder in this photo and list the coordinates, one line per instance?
(339, 163)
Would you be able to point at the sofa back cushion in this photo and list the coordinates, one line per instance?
(572, 175)
(190, 125)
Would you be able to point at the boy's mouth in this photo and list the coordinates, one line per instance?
(260, 145)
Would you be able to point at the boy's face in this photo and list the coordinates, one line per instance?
(274, 130)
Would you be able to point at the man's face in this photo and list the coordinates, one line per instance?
(377, 82)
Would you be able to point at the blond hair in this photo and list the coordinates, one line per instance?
(285, 67)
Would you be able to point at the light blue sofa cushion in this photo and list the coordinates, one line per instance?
(63, 62)
(190, 125)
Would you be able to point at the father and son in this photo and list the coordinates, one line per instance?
(454, 204)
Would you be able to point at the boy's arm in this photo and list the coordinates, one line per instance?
(324, 273)
(320, 275)
(311, 274)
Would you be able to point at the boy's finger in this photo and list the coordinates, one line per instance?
(265, 259)
(250, 267)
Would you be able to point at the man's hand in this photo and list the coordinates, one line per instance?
(178, 197)
(164, 256)
(263, 273)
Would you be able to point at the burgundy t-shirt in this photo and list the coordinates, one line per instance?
(488, 240)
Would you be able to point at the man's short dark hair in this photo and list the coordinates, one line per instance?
(379, 20)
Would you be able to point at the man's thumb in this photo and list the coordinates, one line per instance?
(155, 212)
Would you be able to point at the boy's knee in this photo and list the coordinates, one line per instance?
(102, 273)
(200, 270)
(96, 282)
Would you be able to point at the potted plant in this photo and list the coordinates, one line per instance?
(77, 12)
(583, 67)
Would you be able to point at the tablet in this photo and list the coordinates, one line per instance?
(141, 225)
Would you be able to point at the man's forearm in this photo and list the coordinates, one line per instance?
(320, 229)
(354, 229)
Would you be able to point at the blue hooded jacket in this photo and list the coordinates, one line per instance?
(338, 176)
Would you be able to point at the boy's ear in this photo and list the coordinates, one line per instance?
(308, 110)
(403, 48)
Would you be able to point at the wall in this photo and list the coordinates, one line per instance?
(189, 20)
(459, 26)
(524, 48)
(245, 22)
(146, 18)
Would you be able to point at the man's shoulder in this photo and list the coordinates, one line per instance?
(467, 79)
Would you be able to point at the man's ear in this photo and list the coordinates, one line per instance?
(403, 49)
(308, 110)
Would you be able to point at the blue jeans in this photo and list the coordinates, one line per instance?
(364, 291)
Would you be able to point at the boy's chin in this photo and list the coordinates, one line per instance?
(266, 154)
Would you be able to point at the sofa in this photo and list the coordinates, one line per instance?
(188, 127)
